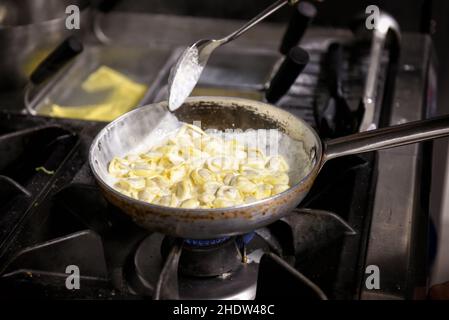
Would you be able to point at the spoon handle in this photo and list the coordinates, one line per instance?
(268, 11)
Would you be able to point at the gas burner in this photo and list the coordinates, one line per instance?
(206, 258)
(225, 269)
(228, 268)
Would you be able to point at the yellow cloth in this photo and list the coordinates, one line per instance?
(125, 94)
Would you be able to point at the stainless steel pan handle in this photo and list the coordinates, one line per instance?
(385, 138)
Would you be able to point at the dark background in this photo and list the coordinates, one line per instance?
(424, 16)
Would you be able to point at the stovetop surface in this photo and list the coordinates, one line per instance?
(61, 219)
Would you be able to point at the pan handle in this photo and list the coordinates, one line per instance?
(385, 138)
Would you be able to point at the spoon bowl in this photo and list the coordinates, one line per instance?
(185, 74)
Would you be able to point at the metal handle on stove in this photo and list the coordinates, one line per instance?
(385, 25)
(389, 137)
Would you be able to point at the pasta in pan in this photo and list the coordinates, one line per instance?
(192, 169)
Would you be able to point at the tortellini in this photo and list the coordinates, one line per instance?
(192, 169)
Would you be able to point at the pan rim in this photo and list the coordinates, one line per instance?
(205, 211)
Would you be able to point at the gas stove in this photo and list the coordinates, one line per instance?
(55, 217)
(55, 221)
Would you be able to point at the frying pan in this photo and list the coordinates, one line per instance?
(125, 133)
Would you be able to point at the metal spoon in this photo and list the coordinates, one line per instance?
(187, 70)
